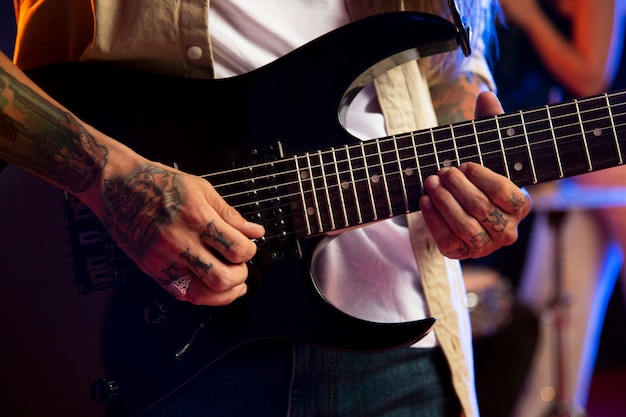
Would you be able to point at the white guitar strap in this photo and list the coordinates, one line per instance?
(405, 99)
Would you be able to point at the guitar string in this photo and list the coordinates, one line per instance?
(314, 190)
(523, 147)
(415, 146)
(368, 210)
(444, 129)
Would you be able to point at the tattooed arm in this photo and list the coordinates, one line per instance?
(169, 222)
(470, 211)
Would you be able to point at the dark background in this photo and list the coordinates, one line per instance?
(7, 27)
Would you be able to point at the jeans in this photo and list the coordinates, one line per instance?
(280, 378)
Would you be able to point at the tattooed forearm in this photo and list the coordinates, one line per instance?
(212, 233)
(41, 137)
(455, 100)
(139, 205)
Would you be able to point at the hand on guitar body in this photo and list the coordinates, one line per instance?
(176, 225)
(470, 210)
(170, 223)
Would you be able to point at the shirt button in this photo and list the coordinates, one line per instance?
(194, 52)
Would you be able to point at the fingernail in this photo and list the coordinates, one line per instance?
(258, 228)
(244, 291)
(431, 182)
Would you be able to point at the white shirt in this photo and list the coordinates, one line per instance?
(371, 272)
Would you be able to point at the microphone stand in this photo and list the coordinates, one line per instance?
(561, 406)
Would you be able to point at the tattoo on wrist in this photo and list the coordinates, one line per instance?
(139, 205)
(46, 139)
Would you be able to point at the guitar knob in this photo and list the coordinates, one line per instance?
(262, 243)
(155, 313)
(256, 217)
(104, 390)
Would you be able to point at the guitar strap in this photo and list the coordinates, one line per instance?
(405, 99)
(404, 96)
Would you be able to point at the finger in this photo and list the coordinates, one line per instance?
(179, 285)
(500, 191)
(212, 298)
(227, 241)
(494, 223)
(487, 104)
(216, 273)
(189, 287)
(235, 219)
(449, 244)
(229, 233)
(457, 234)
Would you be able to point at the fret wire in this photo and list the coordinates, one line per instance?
(617, 145)
(504, 158)
(340, 188)
(305, 213)
(584, 136)
(402, 181)
(435, 154)
(384, 175)
(326, 192)
(529, 149)
(369, 182)
(354, 190)
(314, 194)
(417, 162)
(480, 153)
(554, 140)
(456, 150)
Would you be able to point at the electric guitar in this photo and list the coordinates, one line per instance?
(77, 310)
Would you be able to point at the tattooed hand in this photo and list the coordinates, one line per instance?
(176, 225)
(173, 225)
(470, 210)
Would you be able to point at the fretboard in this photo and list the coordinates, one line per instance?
(338, 188)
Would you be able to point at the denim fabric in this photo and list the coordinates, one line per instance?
(278, 378)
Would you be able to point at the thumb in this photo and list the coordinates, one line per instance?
(487, 104)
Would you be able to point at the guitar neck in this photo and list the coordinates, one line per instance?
(342, 187)
(555, 141)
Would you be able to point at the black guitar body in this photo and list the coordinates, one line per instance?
(292, 106)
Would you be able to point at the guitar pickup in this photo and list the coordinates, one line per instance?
(256, 197)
